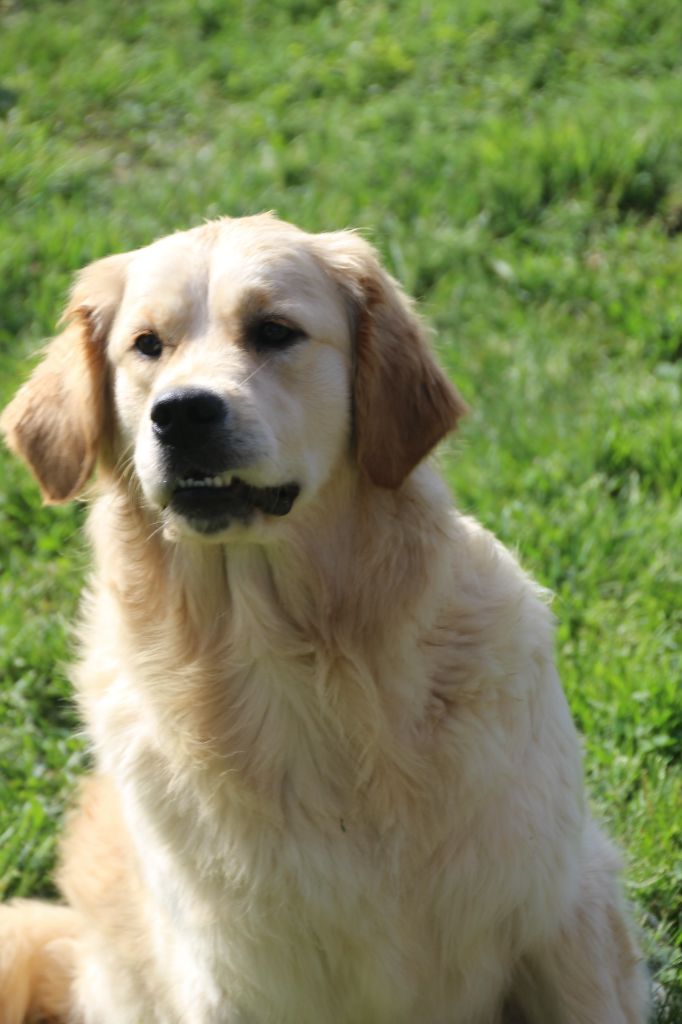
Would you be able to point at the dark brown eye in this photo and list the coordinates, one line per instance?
(149, 345)
(274, 334)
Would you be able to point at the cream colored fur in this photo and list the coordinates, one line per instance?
(338, 781)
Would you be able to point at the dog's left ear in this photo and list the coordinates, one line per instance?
(57, 419)
(403, 404)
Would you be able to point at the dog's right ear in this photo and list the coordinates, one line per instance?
(57, 419)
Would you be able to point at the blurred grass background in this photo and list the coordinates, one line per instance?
(519, 166)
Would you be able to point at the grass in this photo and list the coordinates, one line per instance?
(519, 165)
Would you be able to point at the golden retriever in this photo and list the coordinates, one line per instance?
(337, 779)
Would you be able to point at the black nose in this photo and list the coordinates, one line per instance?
(187, 415)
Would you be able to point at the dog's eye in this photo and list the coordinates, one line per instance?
(274, 334)
(149, 345)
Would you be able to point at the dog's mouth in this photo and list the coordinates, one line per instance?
(210, 503)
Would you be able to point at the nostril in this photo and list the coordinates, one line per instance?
(162, 412)
(180, 413)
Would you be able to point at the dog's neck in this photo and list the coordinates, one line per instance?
(259, 650)
(352, 556)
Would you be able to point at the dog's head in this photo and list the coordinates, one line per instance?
(231, 368)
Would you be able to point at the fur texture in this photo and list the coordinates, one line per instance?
(338, 781)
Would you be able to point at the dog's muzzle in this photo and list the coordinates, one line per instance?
(192, 427)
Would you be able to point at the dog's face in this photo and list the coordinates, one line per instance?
(231, 355)
(233, 367)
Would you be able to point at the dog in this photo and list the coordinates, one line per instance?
(337, 781)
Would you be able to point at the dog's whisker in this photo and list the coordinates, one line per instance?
(261, 366)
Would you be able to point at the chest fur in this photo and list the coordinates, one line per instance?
(309, 822)
(261, 904)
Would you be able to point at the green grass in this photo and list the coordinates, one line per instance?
(519, 165)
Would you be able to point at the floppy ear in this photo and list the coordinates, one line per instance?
(57, 419)
(403, 403)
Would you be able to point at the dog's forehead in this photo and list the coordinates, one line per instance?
(224, 268)
(171, 270)
(261, 264)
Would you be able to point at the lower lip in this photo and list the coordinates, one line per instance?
(215, 507)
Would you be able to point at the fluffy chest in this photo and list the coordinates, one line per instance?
(271, 920)
(284, 902)
(298, 868)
